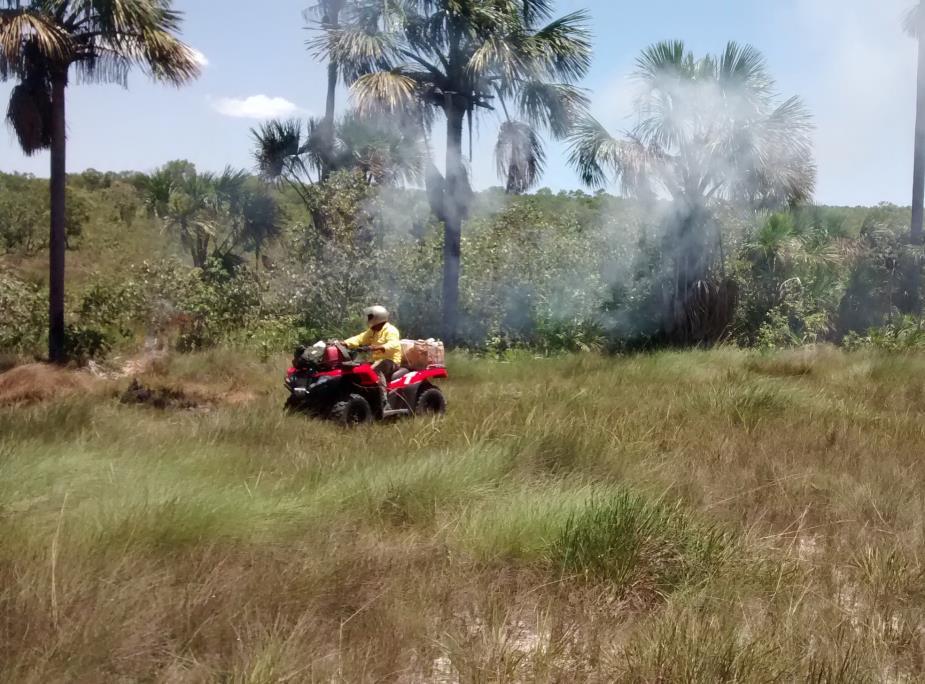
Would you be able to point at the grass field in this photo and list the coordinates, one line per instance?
(689, 517)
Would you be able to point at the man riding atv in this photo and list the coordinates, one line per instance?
(327, 381)
(384, 341)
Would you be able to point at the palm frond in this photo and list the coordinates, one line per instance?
(164, 57)
(914, 20)
(384, 91)
(156, 193)
(103, 66)
(276, 144)
(564, 46)
(28, 35)
(102, 38)
(519, 156)
(497, 57)
(323, 10)
(743, 67)
(592, 151)
(659, 59)
(536, 10)
(555, 106)
(355, 49)
(785, 172)
(229, 185)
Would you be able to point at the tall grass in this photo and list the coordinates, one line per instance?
(701, 516)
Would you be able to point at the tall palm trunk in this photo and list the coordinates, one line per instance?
(58, 239)
(918, 181)
(327, 159)
(332, 20)
(332, 94)
(454, 205)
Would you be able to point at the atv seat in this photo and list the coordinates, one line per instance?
(400, 373)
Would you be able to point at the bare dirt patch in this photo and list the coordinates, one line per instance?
(183, 396)
(34, 383)
(162, 397)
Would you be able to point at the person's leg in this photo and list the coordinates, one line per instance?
(385, 368)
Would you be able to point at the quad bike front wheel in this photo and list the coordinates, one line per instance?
(431, 402)
(292, 405)
(352, 411)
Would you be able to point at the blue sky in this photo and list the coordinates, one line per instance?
(848, 59)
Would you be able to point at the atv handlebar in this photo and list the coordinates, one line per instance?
(345, 351)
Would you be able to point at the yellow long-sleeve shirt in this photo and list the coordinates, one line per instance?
(387, 336)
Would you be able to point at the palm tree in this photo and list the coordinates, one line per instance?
(331, 17)
(387, 151)
(283, 153)
(40, 40)
(460, 59)
(214, 215)
(519, 156)
(914, 25)
(710, 130)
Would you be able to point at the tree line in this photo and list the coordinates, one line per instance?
(710, 132)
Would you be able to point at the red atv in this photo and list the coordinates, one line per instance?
(327, 381)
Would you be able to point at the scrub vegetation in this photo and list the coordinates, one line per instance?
(685, 421)
(681, 516)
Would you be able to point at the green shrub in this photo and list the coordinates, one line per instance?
(111, 306)
(84, 343)
(630, 541)
(906, 334)
(201, 306)
(24, 318)
(25, 214)
(791, 325)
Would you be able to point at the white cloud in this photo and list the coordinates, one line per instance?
(200, 57)
(255, 107)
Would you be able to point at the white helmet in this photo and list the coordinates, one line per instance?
(376, 315)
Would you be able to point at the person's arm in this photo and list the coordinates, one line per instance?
(360, 340)
(392, 341)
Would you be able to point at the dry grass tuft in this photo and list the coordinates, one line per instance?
(677, 517)
(38, 382)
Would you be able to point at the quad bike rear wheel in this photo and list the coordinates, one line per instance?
(352, 411)
(431, 402)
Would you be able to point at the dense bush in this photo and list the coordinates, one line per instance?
(24, 214)
(24, 316)
(905, 334)
(552, 272)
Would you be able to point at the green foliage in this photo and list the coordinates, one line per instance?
(343, 202)
(632, 542)
(25, 212)
(531, 278)
(83, 343)
(200, 306)
(110, 305)
(213, 215)
(25, 315)
(76, 215)
(551, 271)
(876, 290)
(790, 324)
(905, 334)
(793, 271)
